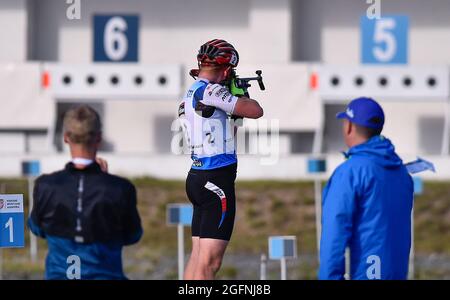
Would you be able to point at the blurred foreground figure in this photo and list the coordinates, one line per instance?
(86, 214)
(367, 202)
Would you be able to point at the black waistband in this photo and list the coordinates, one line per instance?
(227, 169)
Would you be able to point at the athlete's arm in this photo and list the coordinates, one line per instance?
(220, 97)
(248, 108)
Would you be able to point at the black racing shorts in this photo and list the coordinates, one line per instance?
(213, 197)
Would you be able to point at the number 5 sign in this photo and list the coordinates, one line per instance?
(116, 38)
(384, 40)
(11, 221)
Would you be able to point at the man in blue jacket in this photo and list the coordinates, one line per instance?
(367, 202)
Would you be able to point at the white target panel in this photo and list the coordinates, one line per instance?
(412, 83)
(112, 81)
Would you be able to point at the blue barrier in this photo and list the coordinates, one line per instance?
(179, 214)
(316, 165)
(31, 168)
(282, 247)
(418, 185)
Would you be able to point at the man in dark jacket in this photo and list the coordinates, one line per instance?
(85, 214)
(367, 202)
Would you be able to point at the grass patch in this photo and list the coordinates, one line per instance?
(227, 273)
(263, 208)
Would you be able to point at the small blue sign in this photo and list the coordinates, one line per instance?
(282, 247)
(179, 214)
(384, 40)
(11, 221)
(316, 165)
(31, 168)
(420, 165)
(116, 38)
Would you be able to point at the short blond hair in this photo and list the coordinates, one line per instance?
(82, 125)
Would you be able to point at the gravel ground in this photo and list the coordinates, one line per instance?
(242, 266)
(247, 267)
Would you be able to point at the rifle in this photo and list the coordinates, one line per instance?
(243, 83)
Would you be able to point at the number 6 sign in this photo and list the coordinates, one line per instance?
(116, 38)
(11, 221)
(384, 40)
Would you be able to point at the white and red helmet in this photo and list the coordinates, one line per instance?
(218, 52)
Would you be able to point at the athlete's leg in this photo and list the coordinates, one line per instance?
(192, 190)
(216, 209)
(193, 259)
(210, 258)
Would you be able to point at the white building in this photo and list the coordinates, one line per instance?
(47, 63)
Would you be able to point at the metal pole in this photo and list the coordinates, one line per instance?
(283, 268)
(318, 138)
(347, 264)
(446, 132)
(180, 231)
(33, 240)
(263, 270)
(318, 204)
(2, 191)
(411, 254)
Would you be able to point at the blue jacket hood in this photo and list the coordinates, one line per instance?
(379, 149)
